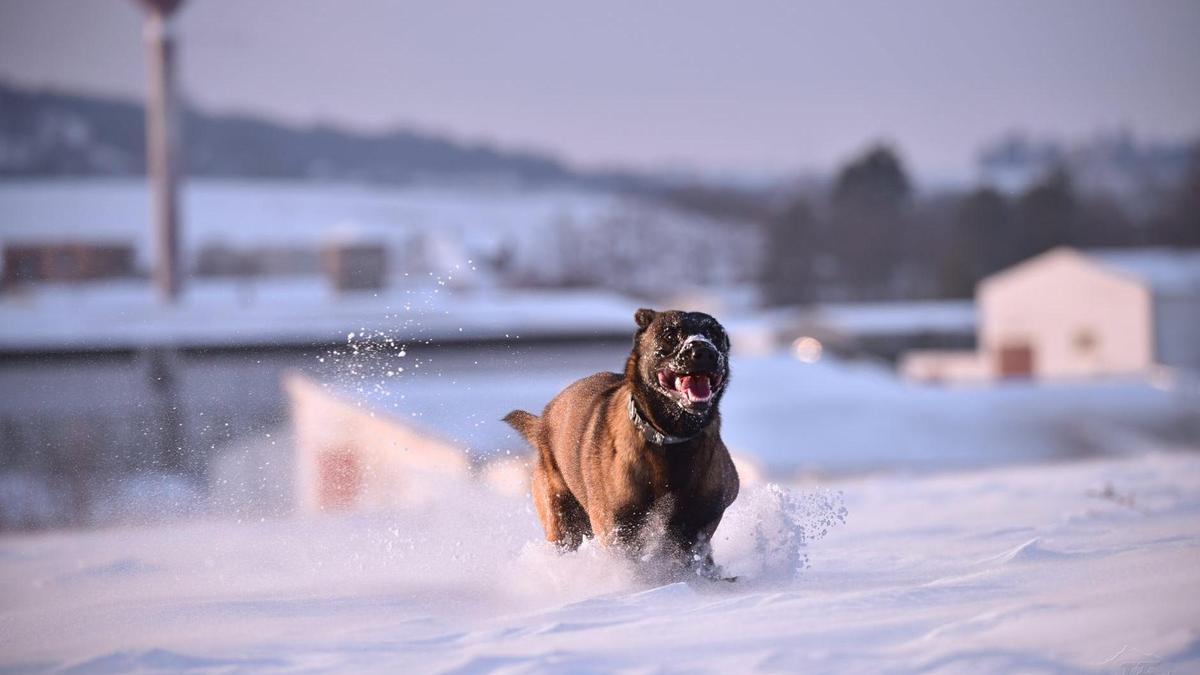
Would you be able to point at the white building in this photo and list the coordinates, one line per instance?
(1069, 313)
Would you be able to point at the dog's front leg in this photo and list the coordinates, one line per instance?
(699, 561)
(695, 550)
(624, 531)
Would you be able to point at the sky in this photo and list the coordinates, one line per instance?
(753, 86)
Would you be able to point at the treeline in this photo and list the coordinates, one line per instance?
(49, 133)
(869, 236)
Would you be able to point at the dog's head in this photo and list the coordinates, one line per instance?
(679, 364)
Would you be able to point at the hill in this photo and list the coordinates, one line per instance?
(48, 133)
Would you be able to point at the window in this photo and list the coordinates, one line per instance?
(1084, 341)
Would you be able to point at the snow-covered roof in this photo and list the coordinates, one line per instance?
(263, 213)
(1173, 271)
(1165, 270)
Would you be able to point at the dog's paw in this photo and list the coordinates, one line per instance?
(710, 571)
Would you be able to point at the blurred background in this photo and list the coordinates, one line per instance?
(268, 257)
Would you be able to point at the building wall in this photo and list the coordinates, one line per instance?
(936, 366)
(1177, 329)
(356, 266)
(348, 458)
(220, 260)
(78, 261)
(1078, 318)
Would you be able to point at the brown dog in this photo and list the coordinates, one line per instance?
(613, 450)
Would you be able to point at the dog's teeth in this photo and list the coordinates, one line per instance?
(679, 384)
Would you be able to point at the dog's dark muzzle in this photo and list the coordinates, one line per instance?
(700, 357)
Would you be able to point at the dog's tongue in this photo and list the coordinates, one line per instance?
(696, 387)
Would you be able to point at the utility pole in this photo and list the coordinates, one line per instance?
(162, 171)
(162, 143)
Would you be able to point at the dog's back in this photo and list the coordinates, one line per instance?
(563, 432)
(575, 419)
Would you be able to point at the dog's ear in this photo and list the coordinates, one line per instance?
(644, 317)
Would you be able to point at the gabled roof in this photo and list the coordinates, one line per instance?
(1162, 270)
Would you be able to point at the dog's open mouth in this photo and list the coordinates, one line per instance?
(693, 388)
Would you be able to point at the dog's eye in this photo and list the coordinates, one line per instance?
(668, 339)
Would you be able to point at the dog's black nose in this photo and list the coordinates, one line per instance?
(702, 355)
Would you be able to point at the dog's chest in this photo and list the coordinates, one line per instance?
(656, 474)
(657, 477)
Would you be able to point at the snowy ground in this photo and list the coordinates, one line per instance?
(1079, 567)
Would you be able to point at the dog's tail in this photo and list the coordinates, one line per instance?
(525, 423)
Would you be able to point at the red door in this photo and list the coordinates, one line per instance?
(1016, 360)
(339, 478)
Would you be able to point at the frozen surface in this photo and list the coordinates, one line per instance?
(1080, 567)
(789, 417)
(899, 318)
(835, 417)
(121, 315)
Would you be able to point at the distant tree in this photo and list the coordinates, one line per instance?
(876, 180)
(985, 220)
(1047, 215)
(1102, 222)
(732, 203)
(1179, 222)
(793, 241)
(1187, 208)
(870, 202)
(979, 242)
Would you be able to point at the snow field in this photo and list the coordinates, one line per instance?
(1080, 567)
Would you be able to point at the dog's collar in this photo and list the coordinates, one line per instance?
(650, 433)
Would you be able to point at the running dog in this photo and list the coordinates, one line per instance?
(617, 453)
